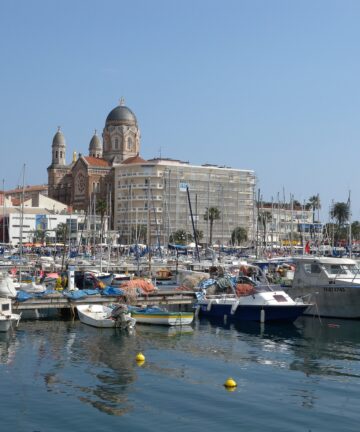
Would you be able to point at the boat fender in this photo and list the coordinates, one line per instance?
(262, 316)
(197, 310)
(234, 307)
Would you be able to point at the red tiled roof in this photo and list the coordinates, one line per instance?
(134, 159)
(27, 189)
(93, 161)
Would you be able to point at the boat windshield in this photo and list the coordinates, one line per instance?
(342, 270)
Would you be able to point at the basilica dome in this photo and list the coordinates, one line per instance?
(59, 139)
(121, 115)
(95, 142)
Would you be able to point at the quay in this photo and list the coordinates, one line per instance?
(181, 300)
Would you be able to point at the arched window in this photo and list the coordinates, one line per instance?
(56, 154)
(130, 143)
(61, 155)
(116, 143)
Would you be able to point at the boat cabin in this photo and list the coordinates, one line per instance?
(324, 270)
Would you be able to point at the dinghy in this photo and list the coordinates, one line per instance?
(106, 317)
(161, 316)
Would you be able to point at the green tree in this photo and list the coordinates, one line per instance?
(180, 237)
(101, 209)
(212, 214)
(315, 204)
(61, 232)
(239, 235)
(340, 212)
(264, 218)
(199, 235)
(355, 230)
(40, 236)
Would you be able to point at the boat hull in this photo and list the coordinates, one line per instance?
(100, 317)
(6, 322)
(265, 313)
(5, 325)
(332, 301)
(170, 318)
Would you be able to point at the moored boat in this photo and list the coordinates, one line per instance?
(331, 285)
(106, 317)
(7, 318)
(161, 316)
(245, 298)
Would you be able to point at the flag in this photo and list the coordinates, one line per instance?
(307, 247)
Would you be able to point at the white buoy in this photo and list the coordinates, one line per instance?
(262, 316)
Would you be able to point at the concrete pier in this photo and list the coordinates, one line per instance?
(56, 301)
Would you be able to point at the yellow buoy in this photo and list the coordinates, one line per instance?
(230, 384)
(140, 357)
(140, 362)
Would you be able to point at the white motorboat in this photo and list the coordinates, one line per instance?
(102, 316)
(247, 298)
(7, 318)
(332, 285)
(32, 287)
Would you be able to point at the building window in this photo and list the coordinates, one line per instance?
(56, 154)
(116, 143)
(130, 143)
(61, 155)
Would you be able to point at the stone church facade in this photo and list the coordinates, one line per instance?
(90, 178)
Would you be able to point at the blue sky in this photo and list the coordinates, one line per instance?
(271, 86)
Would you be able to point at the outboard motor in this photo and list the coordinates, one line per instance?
(122, 316)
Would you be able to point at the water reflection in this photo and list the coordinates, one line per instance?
(98, 367)
(94, 365)
(8, 345)
(328, 347)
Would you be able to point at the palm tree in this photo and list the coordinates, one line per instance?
(238, 235)
(40, 236)
(61, 235)
(180, 237)
(355, 230)
(340, 212)
(61, 232)
(101, 208)
(315, 204)
(199, 235)
(263, 219)
(212, 214)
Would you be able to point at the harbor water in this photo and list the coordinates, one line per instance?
(66, 376)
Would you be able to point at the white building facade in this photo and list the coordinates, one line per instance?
(153, 194)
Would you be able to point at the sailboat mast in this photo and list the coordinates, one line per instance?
(22, 219)
(193, 224)
(350, 231)
(3, 221)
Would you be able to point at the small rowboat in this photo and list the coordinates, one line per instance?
(160, 316)
(105, 317)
